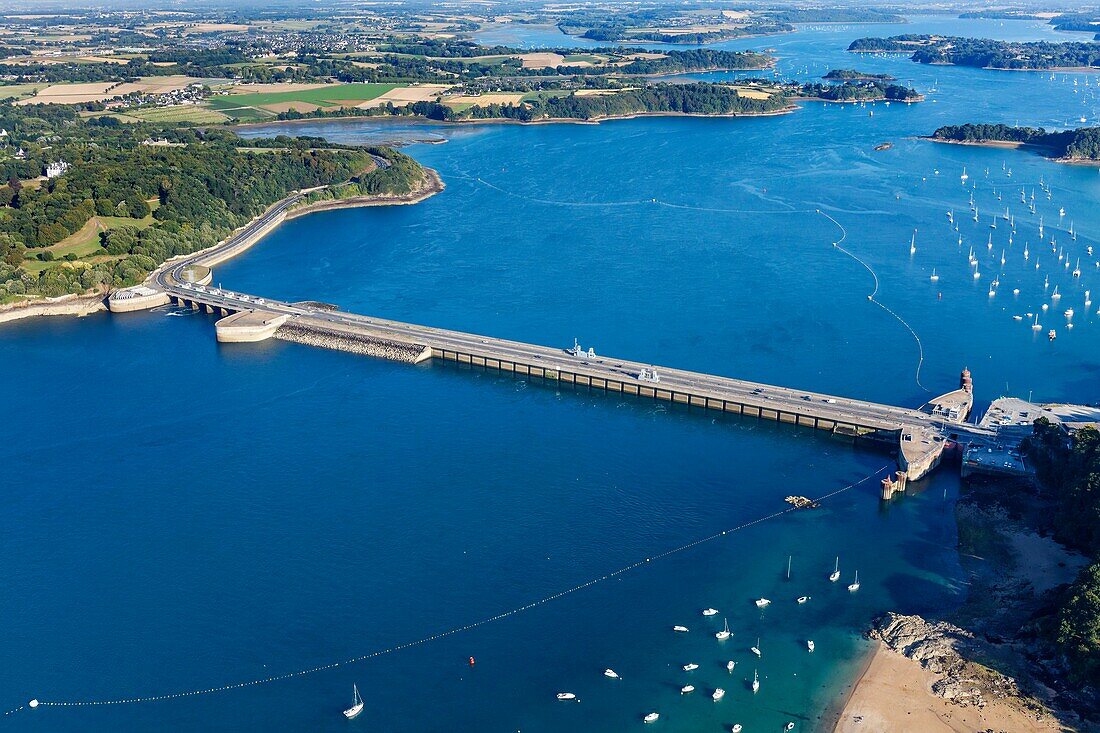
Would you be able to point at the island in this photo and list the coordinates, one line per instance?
(854, 75)
(1080, 145)
(985, 53)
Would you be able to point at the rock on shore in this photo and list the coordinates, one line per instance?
(945, 650)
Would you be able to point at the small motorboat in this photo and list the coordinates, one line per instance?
(691, 667)
(737, 728)
(357, 704)
(651, 717)
(611, 673)
(789, 726)
(718, 694)
(680, 629)
(803, 599)
(566, 696)
(710, 612)
(762, 603)
(724, 633)
(730, 665)
(810, 644)
(687, 689)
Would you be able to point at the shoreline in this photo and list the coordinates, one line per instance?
(410, 119)
(1010, 145)
(87, 304)
(982, 669)
(434, 185)
(65, 305)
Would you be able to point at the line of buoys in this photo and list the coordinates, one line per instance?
(873, 299)
(451, 632)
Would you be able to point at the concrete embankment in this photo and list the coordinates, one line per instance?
(66, 305)
(353, 343)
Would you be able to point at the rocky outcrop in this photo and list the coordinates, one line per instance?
(947, 651)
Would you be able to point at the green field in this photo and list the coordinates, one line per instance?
(179, 113)
(85, 242)
(20, 91)
(333, 95)
(577, 58)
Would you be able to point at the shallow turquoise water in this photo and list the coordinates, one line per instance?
(187, 516)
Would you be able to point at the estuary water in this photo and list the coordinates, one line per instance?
(183, 516)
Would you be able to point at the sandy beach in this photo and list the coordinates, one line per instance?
(895, 694)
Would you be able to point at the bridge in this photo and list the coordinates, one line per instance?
(920, 435)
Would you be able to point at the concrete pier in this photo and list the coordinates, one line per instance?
(248, 327)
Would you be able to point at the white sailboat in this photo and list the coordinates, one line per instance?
(724, 633)
(810, 644)
(835, 575)
(913, 243)
(357, 704)
(854, 586)
(756, 649)
(755, 681)
(934, 278)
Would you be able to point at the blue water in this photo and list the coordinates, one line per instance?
(183, 515)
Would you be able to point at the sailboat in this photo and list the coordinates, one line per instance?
(357, 705)
(835, 575)
(756, 649)
(854, 586)
(810, 644)
(934, 277)
(913, 243)
(963, 177)
(724, 633)
(755, 681)
(788, 567)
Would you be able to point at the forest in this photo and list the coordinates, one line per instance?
(985, 53)
(1068, 467)
(182, 196)
(1080, 144)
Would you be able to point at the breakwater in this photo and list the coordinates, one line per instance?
(352, 343)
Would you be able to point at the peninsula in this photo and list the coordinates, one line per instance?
(1080, 145)
(984, 53)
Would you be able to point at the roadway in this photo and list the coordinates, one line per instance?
(761, 396)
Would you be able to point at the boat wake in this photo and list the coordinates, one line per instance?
(443, 634)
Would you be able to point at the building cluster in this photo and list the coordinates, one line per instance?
(53, 170)
(190, 94)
